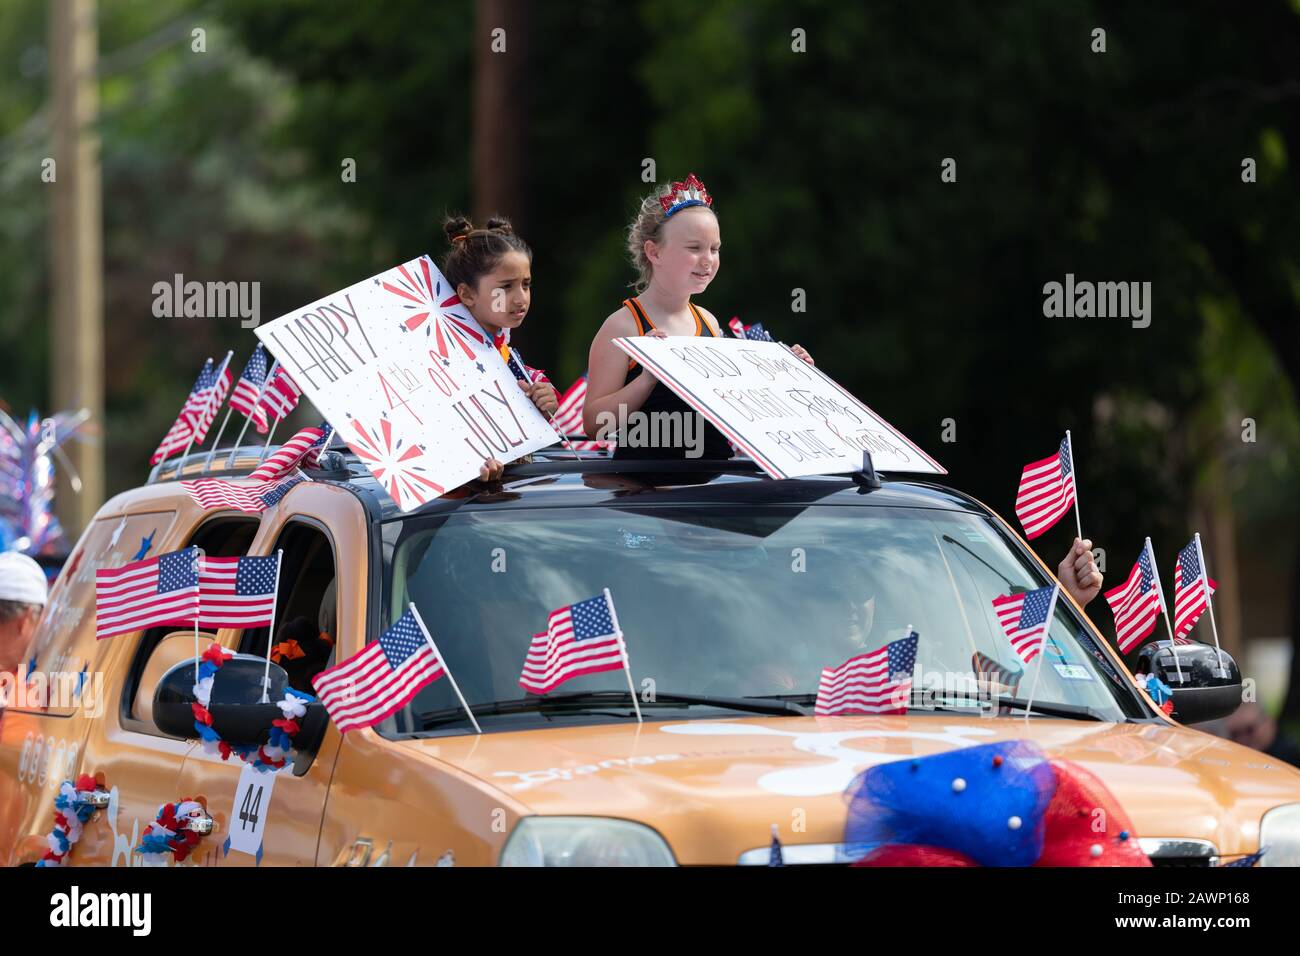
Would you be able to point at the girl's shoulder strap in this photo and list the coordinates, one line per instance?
(702, 326)
(643, 323)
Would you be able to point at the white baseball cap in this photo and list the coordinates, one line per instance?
(21, 579)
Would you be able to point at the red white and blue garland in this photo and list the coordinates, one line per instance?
(73, 808)
(170, 832)
(267, 757)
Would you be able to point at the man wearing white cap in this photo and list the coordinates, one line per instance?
(22, 598)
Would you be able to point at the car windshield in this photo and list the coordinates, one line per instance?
(731, 608)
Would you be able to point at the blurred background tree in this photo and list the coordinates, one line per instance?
(923, 297)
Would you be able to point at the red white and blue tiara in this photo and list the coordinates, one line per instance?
(683, 195)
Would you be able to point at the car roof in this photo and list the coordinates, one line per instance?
(561, 478)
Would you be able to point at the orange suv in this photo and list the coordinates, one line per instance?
(734, 591)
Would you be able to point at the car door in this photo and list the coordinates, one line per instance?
(45, 743)
(322, 530)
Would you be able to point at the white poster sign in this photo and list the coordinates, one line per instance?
(790, 417)
(407, 378)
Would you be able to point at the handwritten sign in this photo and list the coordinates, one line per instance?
(790, 417)
(408, 379)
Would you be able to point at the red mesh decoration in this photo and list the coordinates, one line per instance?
(1085, 825)
(913, 854)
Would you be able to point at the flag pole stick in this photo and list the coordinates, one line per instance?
(257, 402)
(270, 631)
(1209, 601)
(217, 377)
(198, 572)
(1155, 573)
(627, 663)
(1074, 480)
(269, 435)
(445, 669)
(1042, 651)
(529, 379)
(207, 462)
(180, 462)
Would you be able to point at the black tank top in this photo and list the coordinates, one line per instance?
(663, 399)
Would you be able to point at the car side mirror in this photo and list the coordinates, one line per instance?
(1206, 682)
(238, 713)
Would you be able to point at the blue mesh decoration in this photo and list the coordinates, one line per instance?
(986, 802)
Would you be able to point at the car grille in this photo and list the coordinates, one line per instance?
(1162, 851)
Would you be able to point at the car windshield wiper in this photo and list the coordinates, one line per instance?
(1076, 711)
(584, 700)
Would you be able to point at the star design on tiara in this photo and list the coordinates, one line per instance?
(683, 194)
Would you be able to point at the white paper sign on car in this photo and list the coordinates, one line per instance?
(408, 379)
(790, 417)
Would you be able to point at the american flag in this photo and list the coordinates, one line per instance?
(201, 408)
(237, 592)
(521, 370)
(1046, 491)
(303, 449)
(989, 671)
(1026, 618)
(879, 682)
(1190, 599)
(379, 680)
(248, 390)
(568, 416)
(281, 394)
(179, 435)
(250, 498)
(754, 332)
(1135, 603)
(580, 639)
(160, 590)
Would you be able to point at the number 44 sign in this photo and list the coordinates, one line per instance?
(409, 380)
(248, 817)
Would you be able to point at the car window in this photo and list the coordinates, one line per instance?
(64, 651)
(735, 602)
(306, 608)
(219, 537)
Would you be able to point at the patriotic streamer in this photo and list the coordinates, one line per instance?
(73, 808)
(266, 758)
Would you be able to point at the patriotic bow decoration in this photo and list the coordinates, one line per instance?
(754, 332)
(170, 831)
(73, 808)
(1000, 804)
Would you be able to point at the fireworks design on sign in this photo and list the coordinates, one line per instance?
(398, 469)
(429, 298)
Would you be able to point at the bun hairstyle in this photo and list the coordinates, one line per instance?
(476, 252)
(648, 224)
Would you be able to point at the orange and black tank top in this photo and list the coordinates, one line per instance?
(662, 399)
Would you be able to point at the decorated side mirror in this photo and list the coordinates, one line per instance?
(1206, 682)
(236, 716)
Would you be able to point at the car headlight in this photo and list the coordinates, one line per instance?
(584, 841)
(1279, 836)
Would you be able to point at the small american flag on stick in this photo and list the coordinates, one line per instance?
(1136, 602)
(1046, 491)
(160, 590)
(1025, 618)
(878, 682)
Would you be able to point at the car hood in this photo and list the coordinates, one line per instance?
(713, 788)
